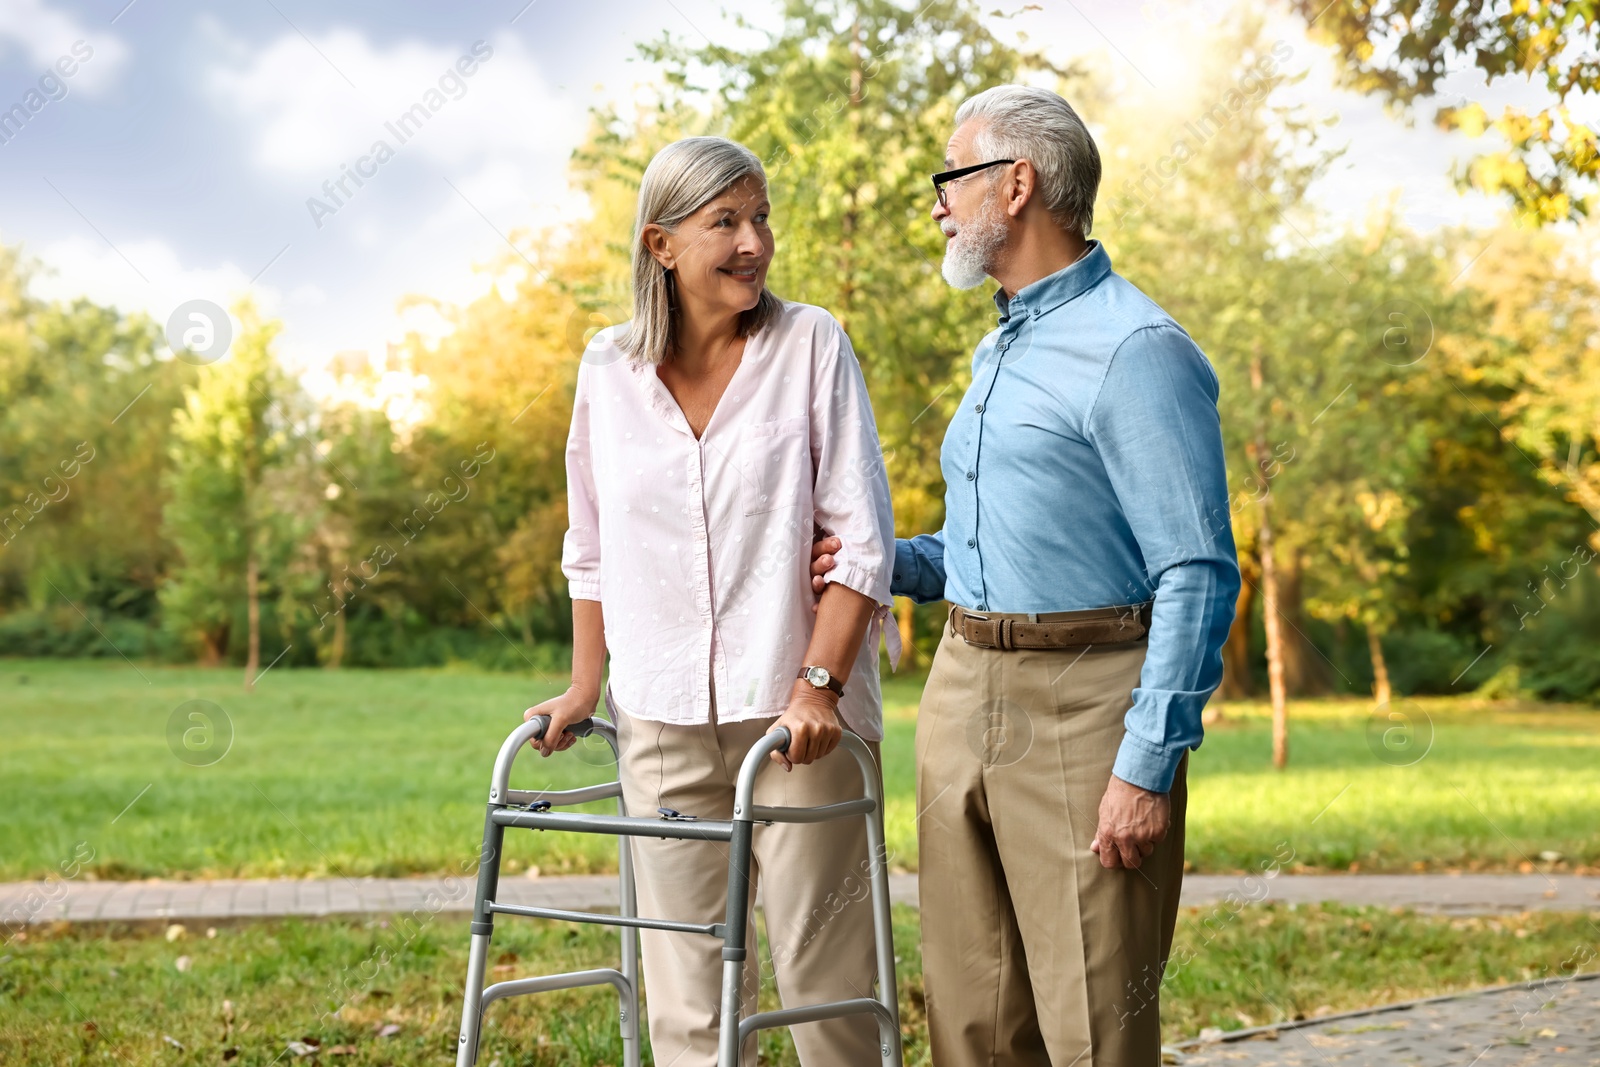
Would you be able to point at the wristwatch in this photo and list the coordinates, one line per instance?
(821, 679)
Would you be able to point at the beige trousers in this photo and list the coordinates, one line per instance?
(1034, 954)
(812, 878)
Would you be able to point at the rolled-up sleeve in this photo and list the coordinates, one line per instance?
(919, 567)
(1156, 428)
(580, 549)
(851, 493)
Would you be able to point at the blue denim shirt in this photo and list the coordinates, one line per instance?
(1084, 469)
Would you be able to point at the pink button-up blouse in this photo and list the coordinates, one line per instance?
(700, 550)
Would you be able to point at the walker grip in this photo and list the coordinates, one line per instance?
(581, 728)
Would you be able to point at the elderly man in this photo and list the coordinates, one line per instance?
(1089, 561)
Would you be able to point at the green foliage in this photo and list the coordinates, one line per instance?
(1400, 50)
(237, 485)
(85, 414)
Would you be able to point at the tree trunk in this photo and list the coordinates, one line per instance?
(905, 618)
(1274, 627)
(1236, 680)
(214, 646)
(252, 592)
(336, 653)
(1380, 667)
(1270, 614)
(1305, 669)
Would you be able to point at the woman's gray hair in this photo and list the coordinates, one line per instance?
(1022, 122)
(681, 179)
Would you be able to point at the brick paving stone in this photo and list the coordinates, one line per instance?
(83, 901)
(1555, 1023)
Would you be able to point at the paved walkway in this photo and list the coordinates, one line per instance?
(1554, 1022)
(1467, 894)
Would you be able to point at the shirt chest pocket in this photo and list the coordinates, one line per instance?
(775, 464)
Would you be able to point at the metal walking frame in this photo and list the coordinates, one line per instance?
(533, 810)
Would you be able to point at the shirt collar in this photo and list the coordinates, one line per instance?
(1053, 290)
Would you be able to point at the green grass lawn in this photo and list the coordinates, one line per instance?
(386, 773)
(102, 994)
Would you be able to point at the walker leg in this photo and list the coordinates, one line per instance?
(482, 931)
(629, 901)
(882, 928)
(733, 944)
(472, 1003)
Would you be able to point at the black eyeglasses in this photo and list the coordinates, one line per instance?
(944, 178)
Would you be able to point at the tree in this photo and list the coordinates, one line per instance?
(85, 415)
(1402, 49)
(239, 501)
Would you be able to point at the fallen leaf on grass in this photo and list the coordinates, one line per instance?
(389, 1030)
(174, 1042)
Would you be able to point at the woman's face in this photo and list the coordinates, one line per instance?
(720, 254)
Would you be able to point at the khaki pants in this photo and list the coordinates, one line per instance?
(1034, 954)
(812, 878)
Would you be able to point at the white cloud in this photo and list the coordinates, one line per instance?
(81, 266)
(316, 107)
(47, 35)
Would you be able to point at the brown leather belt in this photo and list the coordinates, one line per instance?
(1056, 629)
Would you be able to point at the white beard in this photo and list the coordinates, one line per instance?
(971, 251)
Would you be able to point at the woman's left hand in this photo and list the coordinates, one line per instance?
(813, 724)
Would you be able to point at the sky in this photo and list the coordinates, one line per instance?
(201, 151)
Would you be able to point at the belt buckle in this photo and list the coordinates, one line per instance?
(973, 616)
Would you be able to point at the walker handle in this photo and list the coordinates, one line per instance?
(783, 732)
(581, 728)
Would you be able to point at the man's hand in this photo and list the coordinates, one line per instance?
(822, 561)
(814, 726)
(572, 706)
(1132, 821)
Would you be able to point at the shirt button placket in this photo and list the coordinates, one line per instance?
(702, 572)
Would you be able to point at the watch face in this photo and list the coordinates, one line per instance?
(818, 676)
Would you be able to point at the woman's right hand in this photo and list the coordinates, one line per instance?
(574, 705)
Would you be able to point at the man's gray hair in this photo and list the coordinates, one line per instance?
(681, 179)
(1022, 122)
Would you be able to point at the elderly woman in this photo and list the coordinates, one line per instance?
(710, 436)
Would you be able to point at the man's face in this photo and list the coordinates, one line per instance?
(974, 227)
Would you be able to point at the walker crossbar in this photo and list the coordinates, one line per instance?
(511, 808)
(574, 822)
(606, 919)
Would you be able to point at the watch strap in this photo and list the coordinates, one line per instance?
(834, 684)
